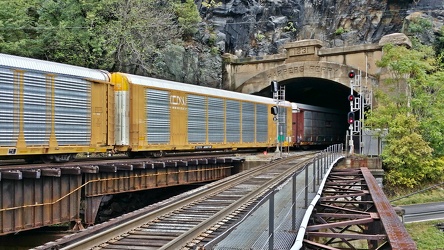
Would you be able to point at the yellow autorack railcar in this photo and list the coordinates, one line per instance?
(52, 111)
(153, 116)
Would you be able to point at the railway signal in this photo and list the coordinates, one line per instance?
(274, 110)
(351, 74)
(351, 98)
(351, 117)
(274, 86)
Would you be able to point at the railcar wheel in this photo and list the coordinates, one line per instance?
(132, 155)
(157, 154)
(31, 159)
(46, 158)
(57, 158)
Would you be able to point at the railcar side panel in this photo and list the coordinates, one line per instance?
(262, 116)
(179, 114)
(121, 110)
(232, 121)
(46, 113)
(197, 124)
(102, 110)
(165, 115)
(216, 120)
(317, 126)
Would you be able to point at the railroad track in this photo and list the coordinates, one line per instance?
(185, 222)
(10, 165)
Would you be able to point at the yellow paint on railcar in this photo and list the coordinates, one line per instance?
(137, 122)
(19, 108)
(102, 116)
(178, 109)
(101, 94)
(178, 119)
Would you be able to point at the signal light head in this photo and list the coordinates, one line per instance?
(350, 117)
(274, 110)
(351, 74)
(274, 86)
(351, 98)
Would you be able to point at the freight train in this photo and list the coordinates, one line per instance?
(51, 112)
(315, 126)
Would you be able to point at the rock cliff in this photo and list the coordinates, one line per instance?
(260, 27)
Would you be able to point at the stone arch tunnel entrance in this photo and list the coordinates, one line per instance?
(315, 75)
(314, 91)
(317, 92)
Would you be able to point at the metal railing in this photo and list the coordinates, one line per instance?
(284, 211)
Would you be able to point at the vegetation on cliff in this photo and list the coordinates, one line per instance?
(129, 36)
(410, 107)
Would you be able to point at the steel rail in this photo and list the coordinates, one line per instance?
(105, 235)
(180, 241)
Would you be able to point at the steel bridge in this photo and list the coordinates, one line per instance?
(352, 212)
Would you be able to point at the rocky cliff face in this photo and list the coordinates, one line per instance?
(260, 27)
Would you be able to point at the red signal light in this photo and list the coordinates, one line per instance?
(351, 74)
(351, 98)
(350, 117)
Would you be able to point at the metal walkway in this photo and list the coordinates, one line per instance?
(353, 213)
(348, 210)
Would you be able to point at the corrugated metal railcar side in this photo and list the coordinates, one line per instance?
(52, 110)
(154, 115)
(314, 126)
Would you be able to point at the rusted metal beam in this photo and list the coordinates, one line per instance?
(355, 211)
(396, 232)
(12, 175)
(340, 224)
(349, 216)
(47, 195)
(349, 236)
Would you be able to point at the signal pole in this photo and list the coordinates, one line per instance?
(278, 96)
(357, 104)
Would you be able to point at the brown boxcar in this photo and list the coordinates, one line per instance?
(317, 126)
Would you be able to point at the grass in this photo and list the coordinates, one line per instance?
(426, 235)
(432, 195)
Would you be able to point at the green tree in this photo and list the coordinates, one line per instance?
(409, 107)
(113, 35)
(69, 31)
(18, 28)
(439, 45)
(141, 32)
(187, 16)
(73, 31)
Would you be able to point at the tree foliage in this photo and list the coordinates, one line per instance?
(188, 17)
(410, 107)
(18, 31)
(141, 32)
(128, 35)
(439, 45)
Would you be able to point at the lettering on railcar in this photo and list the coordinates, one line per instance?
(204, 147)
(12, 151)
(178, 102)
